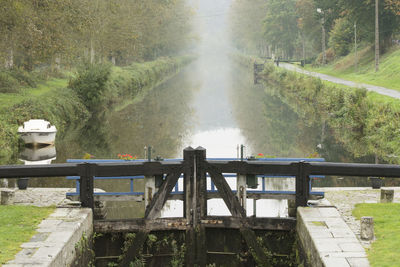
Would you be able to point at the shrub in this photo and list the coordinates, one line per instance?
(8, 84)
(90, 84)
(341, 36)
(24, 78)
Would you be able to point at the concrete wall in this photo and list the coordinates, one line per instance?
(58, 239)
(327, 240)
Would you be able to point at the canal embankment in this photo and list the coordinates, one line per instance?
(329, 235)
(365, 123)
(66, 102)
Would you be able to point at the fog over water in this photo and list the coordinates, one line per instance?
(213, 125)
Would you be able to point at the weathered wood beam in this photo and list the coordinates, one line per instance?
(86, 189)
(167, 224)
(156, 205)
(354, 169)
(137, 198)
(226, 192)
(53, 170)
(135, 248)
(137, 168)
(188, 184)
(302, 185)
(201, 184)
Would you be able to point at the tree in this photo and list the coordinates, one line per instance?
(280, 25)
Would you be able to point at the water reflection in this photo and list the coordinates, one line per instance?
(38, 155)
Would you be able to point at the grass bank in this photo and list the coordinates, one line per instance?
(387, 76)
(54, 101)
(17, 225)
(385, 250)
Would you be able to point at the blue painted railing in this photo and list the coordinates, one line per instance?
(176, 189)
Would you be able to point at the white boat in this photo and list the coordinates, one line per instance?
(38, 132)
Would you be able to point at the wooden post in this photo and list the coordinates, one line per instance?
(86, 189)
(241, 190)
(149, 189)
(302, 184)
(188, 181)
(201, 207)
(201, 184)
(189, 204)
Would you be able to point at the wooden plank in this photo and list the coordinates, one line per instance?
(256, 250)
(190, 243)
(201, 248)
(226, 193)
(134, 249)
(354, 169)
(188, 184)
(201, 184)
(166, 224)
(279, 224)
(241, 190)
(134, 225)
(137, 168)
(137, 198)
(21, 171)
(156, 205)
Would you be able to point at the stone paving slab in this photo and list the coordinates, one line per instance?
(328, 240)
(54, 244)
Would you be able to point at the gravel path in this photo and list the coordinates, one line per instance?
(345, 200)
(369, 87)
(41, 197)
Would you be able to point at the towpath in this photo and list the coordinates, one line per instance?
(369, 87)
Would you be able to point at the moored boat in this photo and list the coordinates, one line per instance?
(37, 132)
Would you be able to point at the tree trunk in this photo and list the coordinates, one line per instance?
(9, 63)
(92, 52)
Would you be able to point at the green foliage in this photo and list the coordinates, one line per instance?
(17, 225)
(341, 36)
(365, 124)
(124, 30)
(280, 25)
(8, 84)
(90, 84)
(386, 248)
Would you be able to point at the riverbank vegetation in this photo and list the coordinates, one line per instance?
(385, 249)
(93, 89)
(365, 123)
(97, 55)
(17, 225)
